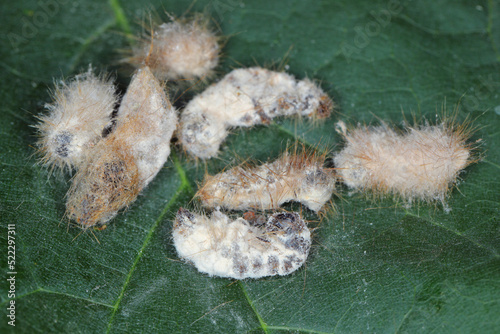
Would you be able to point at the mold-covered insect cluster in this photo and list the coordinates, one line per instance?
(116, 153)
(239, 249)
(123, 163)
(115, 158)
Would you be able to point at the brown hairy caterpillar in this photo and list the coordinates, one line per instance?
(246, 97)
(182, 48)
(420, 163)
(81, 110)
(124, 162)
(219, 246)
(294, 176)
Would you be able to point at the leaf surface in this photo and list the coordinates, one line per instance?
(375, 266)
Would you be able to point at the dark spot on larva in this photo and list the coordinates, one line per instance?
(114, 172)
(288, 222)
(263, 117)
(225, 252)
(316, 176)
(240, 264)
(287, 216)
(62, 141)
(194, 129)
(273, 263)
(283, 104)
(247, 119)
(87, 204)
(184, 217)
(306, 102)
(235, 247)
(257, 264)
(263, 239)
(298, 244)
(87, 209)
(287, 266)
(325, 107)
(294, 259)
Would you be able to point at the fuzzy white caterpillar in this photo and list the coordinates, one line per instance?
(422, 163)
(81, 110)
(124, 162)
(240, 248)
(179, 49)
(246, 97)
(297, 177)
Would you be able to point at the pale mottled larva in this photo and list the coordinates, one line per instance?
(124, 162)
(81, 110)
(419, 163)
(180, 49)
(239, 248)
(246, 97)
(299, 177)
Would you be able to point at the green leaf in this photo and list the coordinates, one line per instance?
(375, 266)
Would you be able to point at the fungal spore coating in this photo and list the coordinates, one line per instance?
(420, 163)
(124, 162)
(182, 48)
(240, 249)
(294, 176)
(243, 98)
(81, 110)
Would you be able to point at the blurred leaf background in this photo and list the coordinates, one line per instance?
(375, 266)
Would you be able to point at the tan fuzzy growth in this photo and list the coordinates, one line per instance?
(81, 110)
(422, 163)
(216, 245)
(123, 163)
(184, 48)
(297, 177)
(108, 182)
(246, 97)
(146, 121)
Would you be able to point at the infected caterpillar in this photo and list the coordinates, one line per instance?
(246, 97)
(421, 163)
(294, 176)
(240, 249)
(124, 162)
(81, 111)
(182, 48)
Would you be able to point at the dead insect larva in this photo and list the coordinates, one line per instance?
(182, 48)
(124, 162)
(81, 110)
(422, 163)
(240, 249)
(297, 177)
(246, 97)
